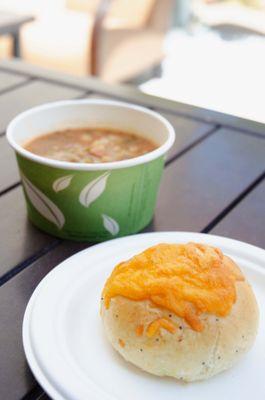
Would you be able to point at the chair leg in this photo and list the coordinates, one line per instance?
(16, 44)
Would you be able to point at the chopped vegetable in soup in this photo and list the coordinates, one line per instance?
(91, 145)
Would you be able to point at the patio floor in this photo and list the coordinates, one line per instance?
(223, 70)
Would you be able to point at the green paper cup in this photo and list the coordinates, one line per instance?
(90, 202)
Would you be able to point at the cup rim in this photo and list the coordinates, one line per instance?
(143, 159)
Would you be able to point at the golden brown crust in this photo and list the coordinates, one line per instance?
(185, 354)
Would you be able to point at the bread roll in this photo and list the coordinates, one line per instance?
(184, 311)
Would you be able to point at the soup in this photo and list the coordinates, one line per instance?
(90, 145)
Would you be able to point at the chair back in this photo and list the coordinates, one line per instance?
(161, 16)
(89, 6)
(121, 13)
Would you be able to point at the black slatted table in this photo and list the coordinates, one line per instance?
(213, 182)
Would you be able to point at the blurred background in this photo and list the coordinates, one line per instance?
(208, 53)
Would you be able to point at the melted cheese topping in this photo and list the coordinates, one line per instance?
(139, 330)
(155, 326)
(187, 279)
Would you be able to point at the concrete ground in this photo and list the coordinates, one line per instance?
(221, 69)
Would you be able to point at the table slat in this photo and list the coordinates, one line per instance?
(8, 167)
(187, 132)
(15, 377)
(246, 222)
(20, 239)
(33, 94)
(198, 186)
(44, 397)
(7, 80)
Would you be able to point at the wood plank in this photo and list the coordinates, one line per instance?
(20, 239)
(8, 81)
(187, 131)
(16, 379)
(198, 186)
(44, 396)
(41, 396)
(8, 167)
(103, 96)
(98, 96)
(33, 94)
(246, 221)
(107, 96)
(131, 93)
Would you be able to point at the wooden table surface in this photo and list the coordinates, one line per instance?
(213, 182)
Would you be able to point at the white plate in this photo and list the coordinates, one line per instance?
(65, 344)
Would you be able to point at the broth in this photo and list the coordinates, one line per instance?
(90, 145)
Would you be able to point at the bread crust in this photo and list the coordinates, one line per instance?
(186, 354)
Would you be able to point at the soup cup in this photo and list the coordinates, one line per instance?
(90, 202)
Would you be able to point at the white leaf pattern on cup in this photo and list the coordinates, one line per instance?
(62, 183)
(110, 225)
(93, 189)
(43, 204)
